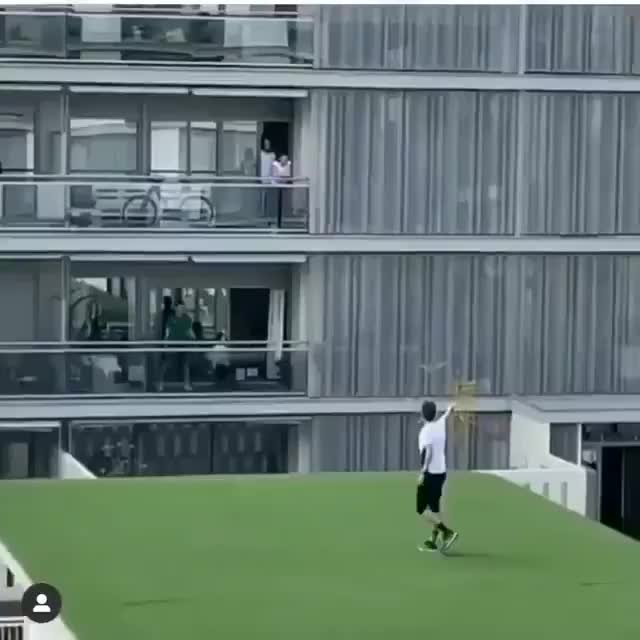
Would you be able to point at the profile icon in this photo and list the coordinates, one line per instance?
(41, 603)
(42, 606)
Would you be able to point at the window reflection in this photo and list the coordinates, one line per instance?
(103, 145)
(17, 155)
(204, 147)
(99, 309)
(169, 146)
(239, 148)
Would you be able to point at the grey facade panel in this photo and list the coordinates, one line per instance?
(582, 39)
(580, 164)
(390, 443)
(387, 317)
(416, 325)
(409, 37)
(417, 162)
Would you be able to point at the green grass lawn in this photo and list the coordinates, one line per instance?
(317, 557)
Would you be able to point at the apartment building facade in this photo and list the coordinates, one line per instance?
(460, 212)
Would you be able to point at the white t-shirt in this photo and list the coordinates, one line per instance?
(434, 434)
(267, 158)
(280, 171)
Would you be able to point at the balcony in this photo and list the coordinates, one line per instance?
(121, 202)
(122, 369)
(158, 36)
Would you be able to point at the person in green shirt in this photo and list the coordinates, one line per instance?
(179, 329)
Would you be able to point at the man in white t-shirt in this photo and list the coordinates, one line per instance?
(432, 444)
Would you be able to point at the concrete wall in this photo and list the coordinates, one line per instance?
(530, 442)
(565, 486)
(533, 466)
(71, 469)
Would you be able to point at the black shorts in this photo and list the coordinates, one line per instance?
(429, 492)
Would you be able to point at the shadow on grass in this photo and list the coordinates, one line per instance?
(489, 559)
(476, 555)
(156, 602)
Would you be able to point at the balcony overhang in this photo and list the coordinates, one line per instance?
(186, 407)
(219, 258)
(38, 425)
(551, 409)
(228, 92)
(131, 244)
(579, 409)
(21, 72)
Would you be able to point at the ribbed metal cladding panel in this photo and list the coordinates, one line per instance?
(390, 443)
(582, 39)
(416, 162)
(415, 325)
(443, 38)
(581, 159)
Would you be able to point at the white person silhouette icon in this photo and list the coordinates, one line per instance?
(41, 603)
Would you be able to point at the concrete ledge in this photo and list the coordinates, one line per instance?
(20, 71)
(134, 242)
(186, 406)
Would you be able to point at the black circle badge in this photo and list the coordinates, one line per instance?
(41, 603)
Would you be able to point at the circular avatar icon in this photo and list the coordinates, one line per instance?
(41, 603)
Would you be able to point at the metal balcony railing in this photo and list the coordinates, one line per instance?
(152, 202)
(125, 368)
(158, 36)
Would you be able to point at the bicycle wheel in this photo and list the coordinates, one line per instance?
(202, 205)
(139, 211)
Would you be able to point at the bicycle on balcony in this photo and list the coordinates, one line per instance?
(152, 208)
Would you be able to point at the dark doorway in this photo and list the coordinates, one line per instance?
(611, 488)
(28, 454)
(278, 134)
(631, 492)
(249, 314)
(620, 489)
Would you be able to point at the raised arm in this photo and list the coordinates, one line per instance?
(449, 411)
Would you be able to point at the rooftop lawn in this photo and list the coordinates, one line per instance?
(317, 557)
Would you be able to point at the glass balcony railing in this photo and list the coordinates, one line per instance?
(108, 368)
(274, 39)
(154, 203)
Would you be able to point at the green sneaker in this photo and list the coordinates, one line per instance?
(448, 540)
(429, 545)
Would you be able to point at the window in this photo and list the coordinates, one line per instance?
(99, 309)
(169, 146)
(17, 155)
(103, 145)
(240, 141)
(204, 147)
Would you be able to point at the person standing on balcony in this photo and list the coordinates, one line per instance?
(219, 358)
(267, 158)
(281, 175)
(179, 329)
(164, 316)
(268, 196)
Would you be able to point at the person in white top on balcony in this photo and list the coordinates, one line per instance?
(219, 357)
(281, 169)
(432, 444)
(268, 197)
(267, 158)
